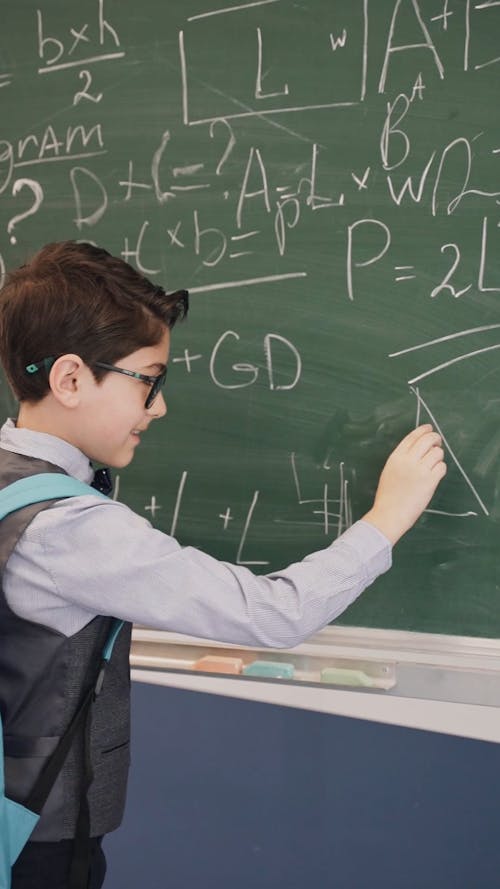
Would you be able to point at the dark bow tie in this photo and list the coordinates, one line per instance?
(102, 481)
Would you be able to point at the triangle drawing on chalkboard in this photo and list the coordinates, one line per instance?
(479, 505)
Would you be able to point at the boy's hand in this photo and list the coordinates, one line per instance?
(407, 483)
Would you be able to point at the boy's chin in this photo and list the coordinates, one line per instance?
(120, 462)
(114, 461)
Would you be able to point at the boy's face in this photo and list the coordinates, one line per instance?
(114, 411)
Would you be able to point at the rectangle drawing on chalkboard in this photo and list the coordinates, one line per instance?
(262, 73)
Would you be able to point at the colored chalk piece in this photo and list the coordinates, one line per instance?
(269, 669)
(210, 663)
(345, 676)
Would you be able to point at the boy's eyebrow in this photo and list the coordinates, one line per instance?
(156, 365)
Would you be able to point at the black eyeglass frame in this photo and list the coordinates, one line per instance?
(156, 382)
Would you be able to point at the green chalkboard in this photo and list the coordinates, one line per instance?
(324, 177)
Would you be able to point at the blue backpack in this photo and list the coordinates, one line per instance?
(17, 821)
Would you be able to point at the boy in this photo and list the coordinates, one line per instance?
(84, 341)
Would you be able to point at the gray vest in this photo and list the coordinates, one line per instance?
(43, 677)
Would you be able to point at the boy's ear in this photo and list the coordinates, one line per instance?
(66, 378)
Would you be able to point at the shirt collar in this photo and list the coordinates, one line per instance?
(46, 447)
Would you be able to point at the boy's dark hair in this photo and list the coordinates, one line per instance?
(75, 297)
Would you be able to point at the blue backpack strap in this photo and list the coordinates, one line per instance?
(112, 637)
(16, 826)
(40, 487)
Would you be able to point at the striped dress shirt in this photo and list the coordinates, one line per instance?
(86, 556)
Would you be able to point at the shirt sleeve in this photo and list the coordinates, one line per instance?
(86, 556)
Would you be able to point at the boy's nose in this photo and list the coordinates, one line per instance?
(159, 407)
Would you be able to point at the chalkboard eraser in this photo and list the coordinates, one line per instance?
(212, 664)
(347, 676)
(269, 670)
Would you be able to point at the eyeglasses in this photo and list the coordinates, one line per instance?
(156, 383)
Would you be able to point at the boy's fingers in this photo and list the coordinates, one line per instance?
(440, 470)
(434, 456)
(410, 440)
(425, 443)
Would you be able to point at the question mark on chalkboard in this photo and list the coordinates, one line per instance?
(230, 145)
(37, 190)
